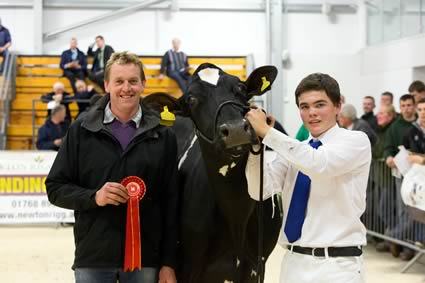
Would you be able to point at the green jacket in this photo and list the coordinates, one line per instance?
(302, 133)
(395, 135)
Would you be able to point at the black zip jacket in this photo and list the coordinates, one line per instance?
(89, 157)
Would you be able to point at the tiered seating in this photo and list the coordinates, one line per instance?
(37, 74)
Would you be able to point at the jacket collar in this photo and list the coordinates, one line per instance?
(94, 119)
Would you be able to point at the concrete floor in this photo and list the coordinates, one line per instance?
(44, 254)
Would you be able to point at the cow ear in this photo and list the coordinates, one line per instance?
(166, 105)
(260, 80)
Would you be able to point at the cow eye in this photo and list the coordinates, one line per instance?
(239, 89)
(192, 101)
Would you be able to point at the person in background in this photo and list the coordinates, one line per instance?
(100, 58)
(368, 115)
(414, 140)
(347, 119)
(417, 89)
(50, 135)
(73, 63)
(302, 133)
(174, 64)
(394, 138)
(58, 96)
(5, 43)
(83, 92)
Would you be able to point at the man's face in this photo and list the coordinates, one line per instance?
(386, 100)
(58, 90)
(61, 115)
(125, 87)
(100, 42)
(383, 117)
(368, 105)
(420, 109)
(317, 111)
(80, 87)
(73, 44)
(407, 109)
(418, 95)
(176, 44)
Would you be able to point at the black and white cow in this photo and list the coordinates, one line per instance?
(219, 236)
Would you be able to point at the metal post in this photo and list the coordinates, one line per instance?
(38, 26)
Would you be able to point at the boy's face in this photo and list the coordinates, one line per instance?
(317, 111)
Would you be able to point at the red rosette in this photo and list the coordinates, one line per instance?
(133, 253)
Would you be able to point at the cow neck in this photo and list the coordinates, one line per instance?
(230, 189)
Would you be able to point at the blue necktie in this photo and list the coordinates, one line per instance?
(298, 205)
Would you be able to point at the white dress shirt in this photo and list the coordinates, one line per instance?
(338, 170)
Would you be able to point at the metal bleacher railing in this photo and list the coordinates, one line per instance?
(7, 94)
(388, 218)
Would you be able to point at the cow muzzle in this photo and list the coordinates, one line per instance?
(236, 134)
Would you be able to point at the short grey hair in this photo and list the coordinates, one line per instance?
(57, 109)
(349, 111)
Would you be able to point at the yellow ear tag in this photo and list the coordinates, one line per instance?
(167, 118)
(266, 83)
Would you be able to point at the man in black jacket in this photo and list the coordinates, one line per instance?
(118, 138)
(100, 58)
(54, 129)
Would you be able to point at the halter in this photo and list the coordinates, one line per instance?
(217, 112)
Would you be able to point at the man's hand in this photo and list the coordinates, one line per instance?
(58, 97)
(111, 193)
(161, 77)
(57, 142)
(414, 158)
(90, 88)
(258, 120)
(167, 275)
(390, 162)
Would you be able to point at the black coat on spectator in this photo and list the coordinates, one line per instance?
(362, 125)
(370, 118)
(107, 53)
(414, 140)
(82, 106)
(49, 132)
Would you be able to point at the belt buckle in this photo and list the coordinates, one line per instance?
(312, 251)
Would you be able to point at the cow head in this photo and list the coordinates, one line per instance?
(217, 103)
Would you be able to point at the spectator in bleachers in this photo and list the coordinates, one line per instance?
(58, 96)
(5, 43)
(393, 139)
(73, 63)
(347, 118)
(368, 115)
(417, 89)
(83, 92)
(95, 98)
(100, 58)
(175, 65)
(54, 129)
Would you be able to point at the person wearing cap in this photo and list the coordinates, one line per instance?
(5, 43)
(323, 183)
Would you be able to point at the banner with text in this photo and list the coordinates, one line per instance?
(23, 197)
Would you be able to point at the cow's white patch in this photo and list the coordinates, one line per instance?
(225, 281)
(238, 262)
(232, 165)
(209, 75)
(253, 273)
(223, 170)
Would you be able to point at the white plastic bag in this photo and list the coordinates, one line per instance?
(413, 187)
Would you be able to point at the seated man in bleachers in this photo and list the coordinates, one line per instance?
(73, 63)
(175, 64)
(83, 92)
(5, 43)
(100, 57)
(58, 96)
(54, 129)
